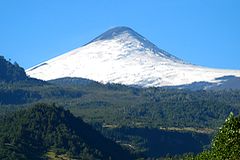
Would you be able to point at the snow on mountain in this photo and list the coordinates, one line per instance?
(121, 55)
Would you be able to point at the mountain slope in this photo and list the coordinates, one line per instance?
(32, 133)
(121, 55)
(11, 72)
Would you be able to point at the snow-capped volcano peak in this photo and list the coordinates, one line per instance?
(131, 38)
(117, 31)
(120, 32)
(121, 55)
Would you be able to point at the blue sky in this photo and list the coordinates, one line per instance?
(204, 32)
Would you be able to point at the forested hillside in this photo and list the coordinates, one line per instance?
(11, 72)
(151, 107)
(42, 130)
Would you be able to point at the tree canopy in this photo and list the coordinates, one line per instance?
(32, 133)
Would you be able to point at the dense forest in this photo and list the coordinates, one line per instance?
(43, 130)
(148, 122)
(133, 107)
(46, 132)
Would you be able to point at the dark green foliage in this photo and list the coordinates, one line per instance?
(29, 91)
(17, 96)
(226, 144)
(134, 107)
(32, 132)
(156, 107)
(11, 72)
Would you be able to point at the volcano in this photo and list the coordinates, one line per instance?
(121, 55)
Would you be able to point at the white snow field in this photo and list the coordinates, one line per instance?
(121, 55)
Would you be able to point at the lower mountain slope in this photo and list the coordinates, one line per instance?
(42, 130)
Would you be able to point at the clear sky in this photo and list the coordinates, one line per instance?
(204, 32)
